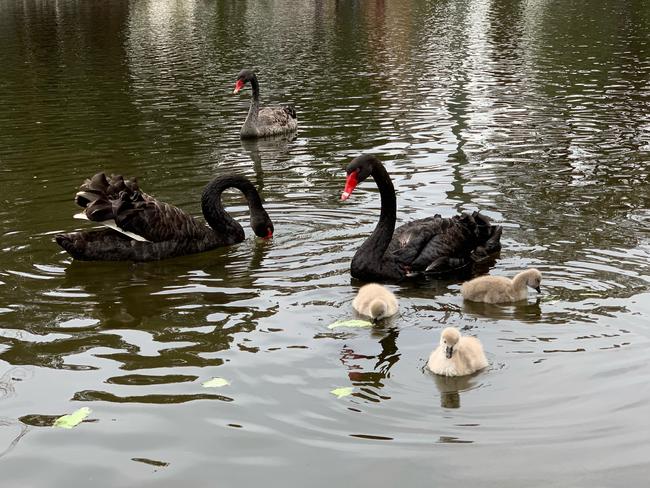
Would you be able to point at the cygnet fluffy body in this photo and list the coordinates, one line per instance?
(375, 301)
(499, 289)
(457, 355)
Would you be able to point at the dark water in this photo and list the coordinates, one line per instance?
(535, 112)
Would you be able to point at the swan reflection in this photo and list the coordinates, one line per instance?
(372, 375)
(450, 388)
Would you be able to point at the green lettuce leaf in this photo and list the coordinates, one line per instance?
(72, 420)
(350, 323)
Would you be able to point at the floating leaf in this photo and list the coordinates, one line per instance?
(72, 420)
(350, 323)
(215, 383)
(342, 392)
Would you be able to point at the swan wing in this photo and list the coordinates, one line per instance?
(437, 245)
(409, 240)
(158, 221)
(281, 117)
(120, 205)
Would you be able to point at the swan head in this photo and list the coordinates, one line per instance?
(534, 279)
(244, 76)
(358, 170)
(262, 225)
(448, 339)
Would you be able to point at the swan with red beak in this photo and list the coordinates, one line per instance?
(434, 245)
(264, 121)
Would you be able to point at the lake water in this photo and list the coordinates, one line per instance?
(533, 111)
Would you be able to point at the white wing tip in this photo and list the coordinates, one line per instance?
(112, 225)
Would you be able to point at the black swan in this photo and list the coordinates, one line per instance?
(145, 229)
(433, 245)
(266, 121)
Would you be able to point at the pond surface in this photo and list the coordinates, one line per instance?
(534, 112)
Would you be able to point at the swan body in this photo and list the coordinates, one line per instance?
(142, 228)
(375, 301)
(499, 289)
(457, 355)
(433, 245)
(264, 121)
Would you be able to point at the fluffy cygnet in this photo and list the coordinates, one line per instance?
(499, 289)
(457, 355)
(375, 301)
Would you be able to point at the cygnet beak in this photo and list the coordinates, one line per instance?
(538, 289)
(449, 351)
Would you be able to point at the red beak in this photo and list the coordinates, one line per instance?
(350, 185)
(269, 235)
(238, 86)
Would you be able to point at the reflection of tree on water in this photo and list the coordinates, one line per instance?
(123, 295)
(383, 361)
(143, 297)
(131, 310)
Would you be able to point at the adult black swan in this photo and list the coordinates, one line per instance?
(433, 245)
(142, 228)
(266, 121)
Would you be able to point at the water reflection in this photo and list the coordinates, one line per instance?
(271, 151)
(368, 371)
(529, 311)
(9, 425)
(450, 388)
(5, 425)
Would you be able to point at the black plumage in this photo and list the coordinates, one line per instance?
(434, 245)
(146, 229)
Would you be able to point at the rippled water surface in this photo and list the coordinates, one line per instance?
(535, 112)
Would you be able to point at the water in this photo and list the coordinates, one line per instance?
(533, 111)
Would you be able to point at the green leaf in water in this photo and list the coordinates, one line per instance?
(342, 392)
(72, 420)
(215, 383)
(350, 323)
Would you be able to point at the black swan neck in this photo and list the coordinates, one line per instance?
(216, 216)
(370, 261)
(379, 240)
(254, 109)
(256, 89)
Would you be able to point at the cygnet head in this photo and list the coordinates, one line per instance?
(448, 339)
(534, 279)
(378, 309)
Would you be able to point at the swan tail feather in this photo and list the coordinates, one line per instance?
(112, 202)
(489, 236)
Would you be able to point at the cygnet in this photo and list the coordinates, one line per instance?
(375, 301)
(499, 289)
(457, 355)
